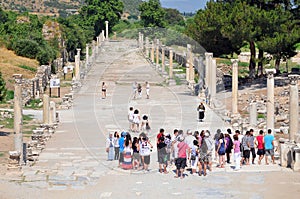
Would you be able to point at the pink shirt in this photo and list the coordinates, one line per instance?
(236, 144)
(182, 148)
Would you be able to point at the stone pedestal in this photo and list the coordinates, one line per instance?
(46, 109)
(52, 116)
(285, 153)
(106, 30)
(270, 99)
(18, 121)
(235, 85)
(171, 63)
(294, 107)
(253, 114)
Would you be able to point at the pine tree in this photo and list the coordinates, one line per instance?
(2, 88)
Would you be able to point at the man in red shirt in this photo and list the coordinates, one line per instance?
(159, 135)
(182, 155)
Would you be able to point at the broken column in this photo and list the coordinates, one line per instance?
(213, 79)
(147, 47)
(170, 63)
(46, 104)
(270, 98)
(235, 84)
(163, 58)
(52, 112)
(106, 29)
(294, 107)
(253, 114)
(18, 121)
(157, 53)
(152, 52)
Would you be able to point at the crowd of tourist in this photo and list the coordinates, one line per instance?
(190, 149)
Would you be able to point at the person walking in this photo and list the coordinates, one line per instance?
(201, 110)
(104, 87)
(110, 147)
(116, 145)
(130, 118)
(148, 90)
(237, 152)
(145, 151)
(136, 121)
(127, 163)
(260, 146)
(269, 146)
(139, 89)
(252, 145)
(229, 145)
(136, 154)
(182, 155)
(246, 148)
(221, 150)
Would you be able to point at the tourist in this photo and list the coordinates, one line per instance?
(162, 155)
(148, 90)
(136, 121)
(130, 118)
(127, 162)
(145, 123)
(121, 145)
(210, 147)
(116, 145)
(134, 87)
(216, 139)
(269, 146)
(182, 155)
(174, 146)
(159, 135)
(110, 147)
(139, 89)
(145, 150)
(260, 146)
(135, 155)
(104, 87)
(201, 110)
(194, 151)
(252, 147)
(221, 151)
(246, 148)
(205, 154)
(229, 145)
(236, 152)
(189, 140)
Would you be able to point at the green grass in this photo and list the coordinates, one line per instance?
(8, 123)
(33, 103)
(9, 95)
(28, 68)
(1, 154)
(261, 115)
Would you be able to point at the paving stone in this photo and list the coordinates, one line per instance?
(57, 188)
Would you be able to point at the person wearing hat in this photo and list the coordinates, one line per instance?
(110, 147)
(182, 156)
(121, 145)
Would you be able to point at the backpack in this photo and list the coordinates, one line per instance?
(222, 148)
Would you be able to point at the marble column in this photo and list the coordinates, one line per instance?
(103, 35)
(235, 86)
(253, 114)
(77, 73)
(139, 41)
(294, 107)
(270, 99)
(170, 63)
(87, 48)
(52, 113)
(46, 105)
(106, 29)
(18, 120)
(208, 58)
(163, 58)
(152, 52)
(191, 68)
(97, 45)
(142, 41)
(188, 63)
(147, 47)
(213, 79)
(157, 53)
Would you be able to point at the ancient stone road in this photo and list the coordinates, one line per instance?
(74, 165)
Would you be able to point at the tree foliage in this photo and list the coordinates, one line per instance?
(173, 17)
(2, 88)
(152, 14)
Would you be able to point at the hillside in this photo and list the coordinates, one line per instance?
(11, 64)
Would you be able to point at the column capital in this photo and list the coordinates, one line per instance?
(293, 79)
(233, 61)
(170, 49)
(270, 73)
(189, 46)
(209, 54)
(106, 22)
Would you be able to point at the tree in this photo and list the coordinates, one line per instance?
(152, 14)
(173, 17)
(96, 12)
(2, 88)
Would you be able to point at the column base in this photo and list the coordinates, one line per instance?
(172, 82)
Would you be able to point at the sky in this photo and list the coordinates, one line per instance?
(184, 5)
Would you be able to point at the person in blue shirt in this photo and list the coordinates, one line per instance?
(121, 144)
(269, 146)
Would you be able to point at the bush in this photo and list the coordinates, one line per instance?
(2, 88)
(26, 48)
(10, 95)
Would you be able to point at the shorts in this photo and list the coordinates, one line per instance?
(246, 154)
(260, 152)
(103, 90)
(194, 163)
(205, 159)
(162, 158)
(147, 159)
(269, 152)
(136, 156)
(180, 163)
